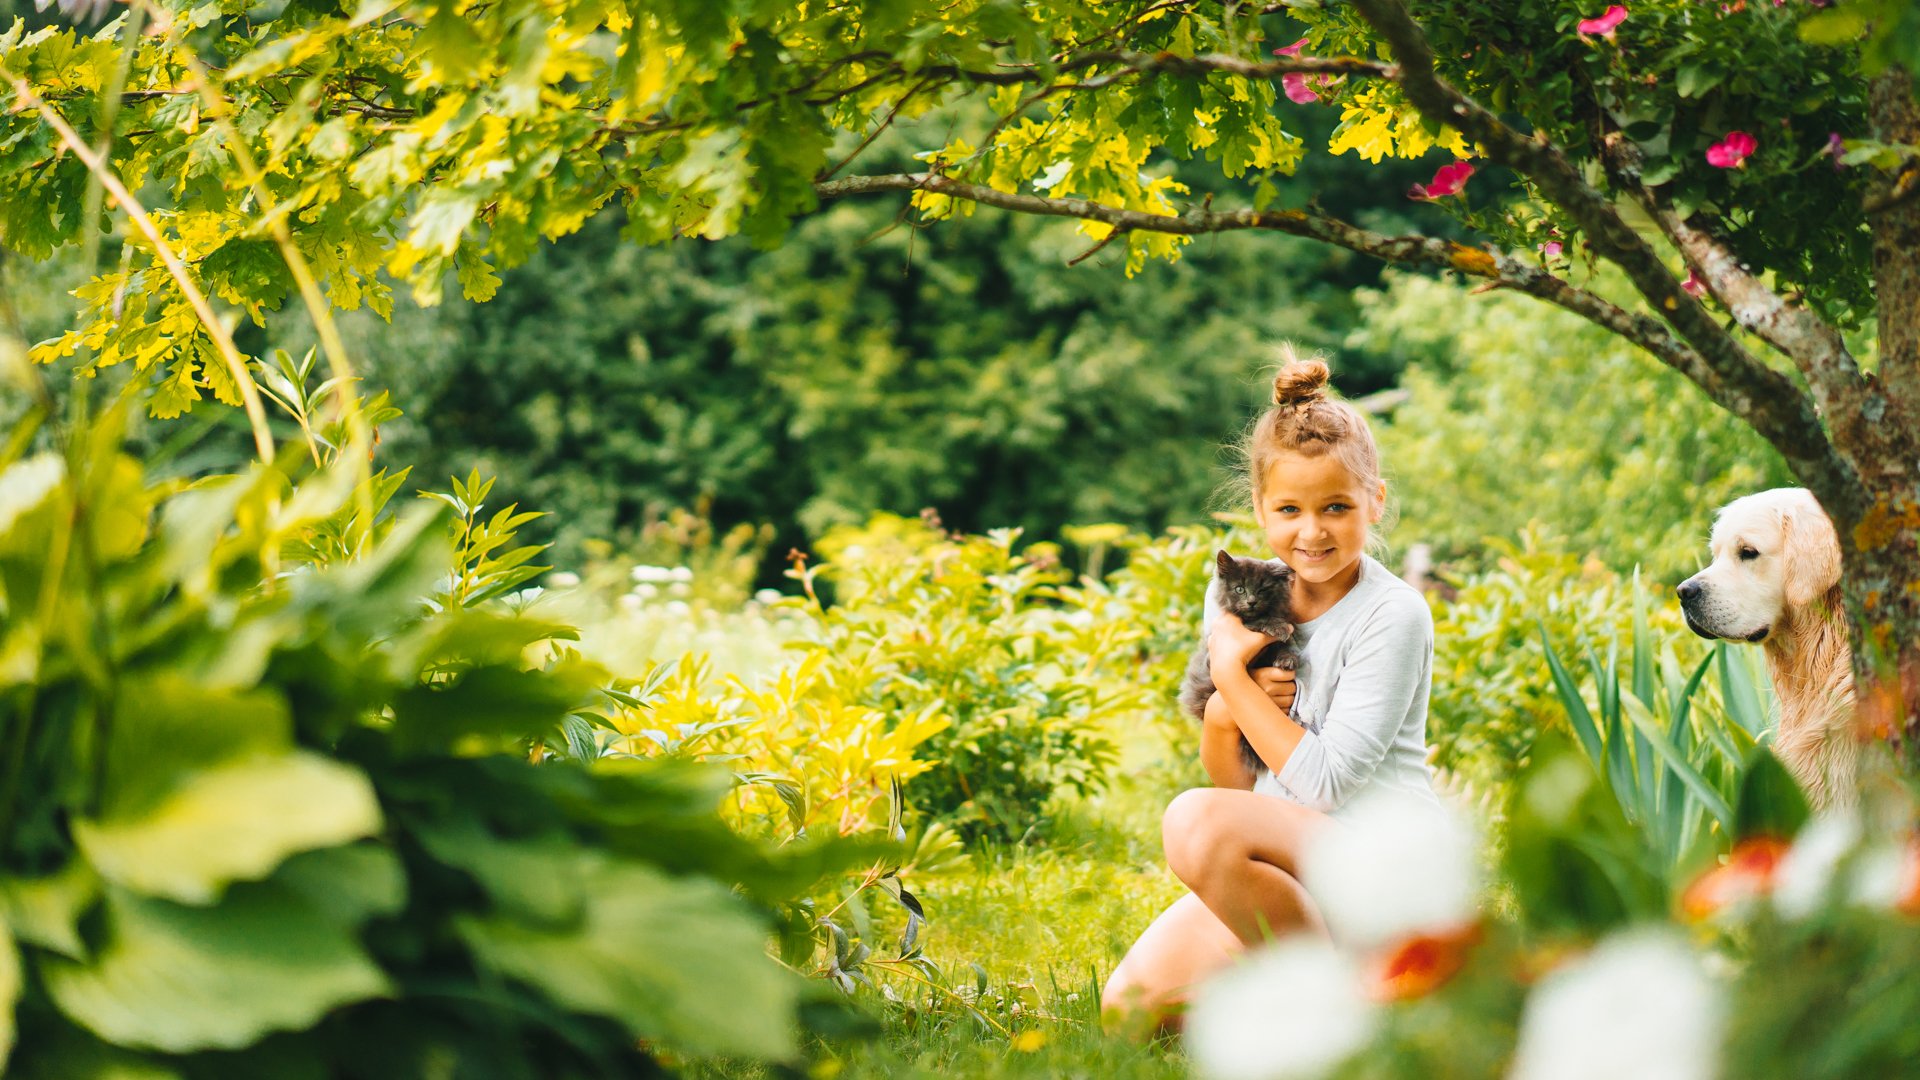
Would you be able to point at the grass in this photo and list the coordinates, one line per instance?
(1041, 925)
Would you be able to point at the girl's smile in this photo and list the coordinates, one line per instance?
(1316, 515)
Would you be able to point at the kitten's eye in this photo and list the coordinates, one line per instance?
(1748, 554)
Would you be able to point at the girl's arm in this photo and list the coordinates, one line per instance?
(1385, 676)
(1220, 747)
(1246, 707)
(1272, 732)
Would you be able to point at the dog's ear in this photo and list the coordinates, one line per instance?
(1811, 552)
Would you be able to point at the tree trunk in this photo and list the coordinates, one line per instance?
(1881, 548)
(1880, 578)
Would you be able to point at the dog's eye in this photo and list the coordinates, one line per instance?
(1748, 554)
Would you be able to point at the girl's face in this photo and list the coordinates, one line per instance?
(1316, 515)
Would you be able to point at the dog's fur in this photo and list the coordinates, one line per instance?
(1775, 579)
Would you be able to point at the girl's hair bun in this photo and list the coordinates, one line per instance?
(1300, 382)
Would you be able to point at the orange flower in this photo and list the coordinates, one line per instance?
(1908, 900)
(1422, 964)
(1748, 872)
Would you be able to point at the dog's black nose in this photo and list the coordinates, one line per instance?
(1688, 590)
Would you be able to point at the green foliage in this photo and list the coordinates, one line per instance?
(255, 809)
(1492, 689)
(1586, 436)
(413, 141)
(862, 366)
(1671, 81)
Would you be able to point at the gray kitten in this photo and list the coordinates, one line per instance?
(1259, 593)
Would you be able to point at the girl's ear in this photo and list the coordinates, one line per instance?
(1379, 504)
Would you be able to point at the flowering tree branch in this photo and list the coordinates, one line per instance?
(1814, 346)
(1733, 377)
(1496, 270)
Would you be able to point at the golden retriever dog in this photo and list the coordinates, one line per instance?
(1775, 579)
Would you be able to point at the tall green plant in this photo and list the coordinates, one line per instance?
(1688, 772)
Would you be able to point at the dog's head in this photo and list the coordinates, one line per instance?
(1774, 553)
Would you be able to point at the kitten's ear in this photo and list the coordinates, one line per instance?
(1223, 562)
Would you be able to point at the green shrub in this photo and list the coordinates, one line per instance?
(966, 626)
(1518, 413)
(266, 810)
(1492, 691)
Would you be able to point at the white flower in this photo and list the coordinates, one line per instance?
(1640, 1005)
(647, 591)
(563, 579)
(652, 573)
(1291, 1009)
(1391, 867)
(678, 588)
(1806, 872)
(768, 596)
(1883, 877)
(677, 607)
(680, 573)
(630, 602)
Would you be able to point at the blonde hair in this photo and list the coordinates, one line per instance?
(1304, 420)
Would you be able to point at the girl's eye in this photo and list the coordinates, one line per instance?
(1339, 508)
(1289, 509)
(1747, 554)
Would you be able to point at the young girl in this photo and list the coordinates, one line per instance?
(1357, 722)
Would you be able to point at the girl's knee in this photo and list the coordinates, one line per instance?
(1193, 833)
(1121, 995)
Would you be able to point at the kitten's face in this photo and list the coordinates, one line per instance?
(1254, 588)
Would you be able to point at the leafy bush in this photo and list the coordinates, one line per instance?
(949, 661)
(264, 811)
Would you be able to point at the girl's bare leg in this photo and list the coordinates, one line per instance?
(1238, 852)
(1184, 945)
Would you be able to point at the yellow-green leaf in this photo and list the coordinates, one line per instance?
(237, 821)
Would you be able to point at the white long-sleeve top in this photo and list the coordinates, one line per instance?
(1366, 667)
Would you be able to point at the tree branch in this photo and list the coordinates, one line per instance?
(1498, 270)
(1169, 64)
(1815, 347)
(1125, 63)
(1734, 378)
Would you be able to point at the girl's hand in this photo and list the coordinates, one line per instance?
(1230, 645)
(1279, 684)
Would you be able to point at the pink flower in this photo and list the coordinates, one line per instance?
(1837, 147)
(1693, 285)
(1605, 24)
(1448, 181)
(1731, 151)
(1294, 82)
(1551, 249)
